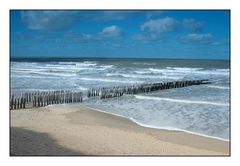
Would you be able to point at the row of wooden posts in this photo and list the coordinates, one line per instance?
(141, 88)
(41, 99)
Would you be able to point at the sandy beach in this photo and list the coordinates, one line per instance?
(78, 130)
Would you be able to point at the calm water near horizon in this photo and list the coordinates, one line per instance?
(202, 109)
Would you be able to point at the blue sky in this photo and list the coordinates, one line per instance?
(123, 34)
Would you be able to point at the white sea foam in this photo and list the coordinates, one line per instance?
(86, 63)
(82, 88)
(114, 74)
(130, 75)
(29, 76)
(213, 72)
(217, 87)
(143, 63)
(106, 66)
(174, 69)
(184, 68)
(66, 63)
(175, 129)
(180, 101)
(157, 70)
(186, 71)
(173, 77)
(109, 80)
(55, 74)
(142, 72)
(144, 76)
(26, 71)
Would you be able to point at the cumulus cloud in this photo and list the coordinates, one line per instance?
(156, 29)
(163, 25)
(195, 38)
(108, 33)
(57, 20)
(48, 20)
(193, 25)
(111, 32)
(223, 42)
(76, 37)
(149, 37)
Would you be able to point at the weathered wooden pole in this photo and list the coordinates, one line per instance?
(21, 101)
(15, 103)
(24, 102)
(12, 102)
(38, 101)
(18, 103)
(33, 101)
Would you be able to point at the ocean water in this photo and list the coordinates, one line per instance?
(202, 109)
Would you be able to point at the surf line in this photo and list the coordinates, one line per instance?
(217, 87)
(180, 101)
(155, 127)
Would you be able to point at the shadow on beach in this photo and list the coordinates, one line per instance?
(30, 143)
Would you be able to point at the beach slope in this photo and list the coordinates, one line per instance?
(78, 130)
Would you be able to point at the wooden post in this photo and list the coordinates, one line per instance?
(15, 103)
(38, 101)
(33, 101)
(41, 100)
(24, 103)
(21, 101)
(29, 97)
(12, 102)
(81, 97)
(18, 103)
(48, 99)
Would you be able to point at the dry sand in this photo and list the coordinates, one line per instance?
(77, 130)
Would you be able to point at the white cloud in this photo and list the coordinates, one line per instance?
(215, 43)
(195, 38)
(60, 19)
(193, 25)
(55, 20)
(149, 37)
(108, 33)
(48, 20)
(163, 25)
(111, 32)
(156, 29)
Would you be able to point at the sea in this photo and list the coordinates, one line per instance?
(202, 109)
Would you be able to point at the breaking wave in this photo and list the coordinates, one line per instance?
(180, 101)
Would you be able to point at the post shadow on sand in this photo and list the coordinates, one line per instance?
(25, 142)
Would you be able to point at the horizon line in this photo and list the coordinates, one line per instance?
(16, 58)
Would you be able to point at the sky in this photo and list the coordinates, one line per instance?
(181, 34)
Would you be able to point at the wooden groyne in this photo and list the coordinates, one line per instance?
(142, 88)
(41, 99)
